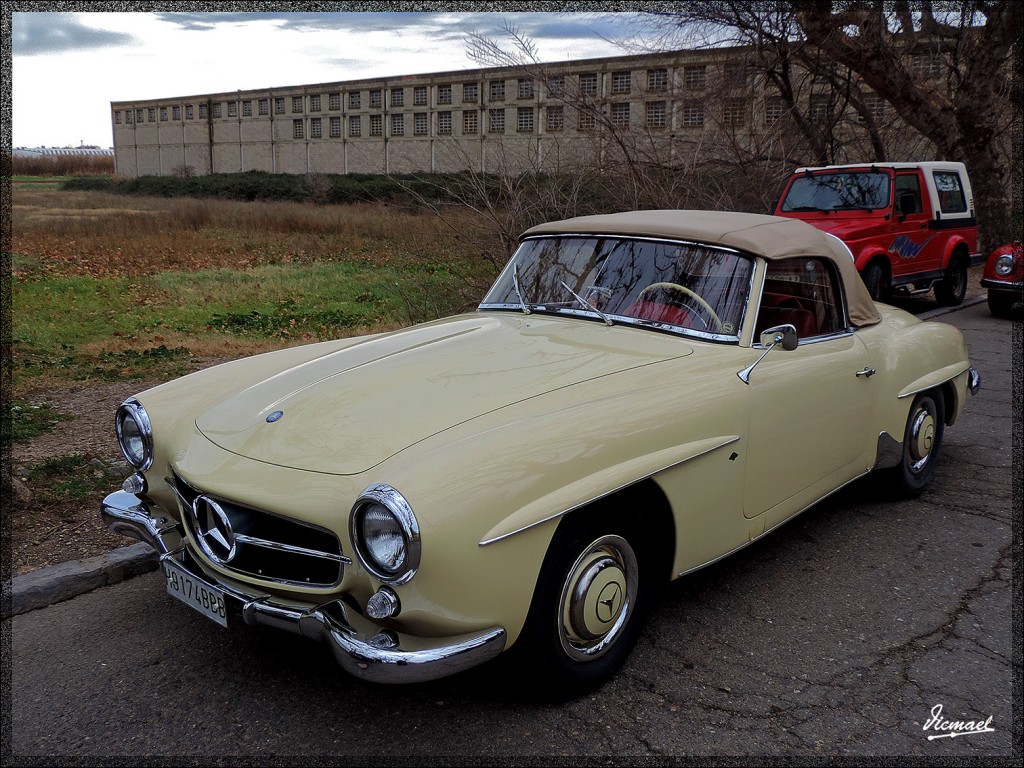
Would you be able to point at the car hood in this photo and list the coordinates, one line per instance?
(349, 410)
(848, 229)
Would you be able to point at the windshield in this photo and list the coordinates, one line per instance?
(866, 190)
(683, 287)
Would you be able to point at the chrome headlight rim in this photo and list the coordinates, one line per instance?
(395, 503)
(1004, 265)
(134, 410)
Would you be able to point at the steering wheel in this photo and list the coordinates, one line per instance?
(719, 325)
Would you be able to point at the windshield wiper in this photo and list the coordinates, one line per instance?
(586, 303)
(519, 293)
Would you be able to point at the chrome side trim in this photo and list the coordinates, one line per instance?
(926, 387)
(573, 508)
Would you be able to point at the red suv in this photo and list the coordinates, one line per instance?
(910, 226)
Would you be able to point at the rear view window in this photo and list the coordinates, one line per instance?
(951, 192)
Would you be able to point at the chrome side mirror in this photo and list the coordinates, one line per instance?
(779, 335)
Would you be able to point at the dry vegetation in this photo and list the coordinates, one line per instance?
(113, 294)
(62, 165)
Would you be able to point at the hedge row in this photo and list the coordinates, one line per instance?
(260, 185)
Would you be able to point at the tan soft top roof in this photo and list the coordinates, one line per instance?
(771, 237)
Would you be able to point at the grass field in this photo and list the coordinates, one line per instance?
(108, 286)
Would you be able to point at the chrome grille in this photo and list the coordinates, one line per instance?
(258, 543)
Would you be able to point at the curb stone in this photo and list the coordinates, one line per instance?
(64, 581)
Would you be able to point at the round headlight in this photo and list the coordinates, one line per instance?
(385, 534)
(1004, 265)
(134, 434)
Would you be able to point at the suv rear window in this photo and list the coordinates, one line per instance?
(951, 192)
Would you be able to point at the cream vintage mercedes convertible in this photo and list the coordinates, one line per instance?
(638, 395)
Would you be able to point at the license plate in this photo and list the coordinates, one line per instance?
(205, 598)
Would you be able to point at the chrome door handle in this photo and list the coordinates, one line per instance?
(866, 373)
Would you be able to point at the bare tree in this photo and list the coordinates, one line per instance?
(944, 68)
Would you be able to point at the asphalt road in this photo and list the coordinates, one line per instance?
(838, 634)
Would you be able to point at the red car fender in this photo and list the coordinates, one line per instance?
(951, 245)
(869, 252)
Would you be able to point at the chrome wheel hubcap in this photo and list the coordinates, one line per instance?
(922, 439)
(597, 598)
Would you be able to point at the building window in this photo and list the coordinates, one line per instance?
(189, 112)
(354, 101)
(355, 126)
(874, 105)
(246, 109)
(232, 109)
(217, 109)
(620, 115)
(376, 125)
(819, 107)
(526, 88)
(444, 123)
(296, 104)
(419, 96)
(176, 113)
(656, 114)
(588, 84)
(264, 106)
(470, 121)
(734, 112)
(444, 94)
(586, 120)
(129, 117)
(397, 97)
(279, 106)
(334, 101)
(315, 131)
(657, 79)
(497, 89)
(470, 93)
(420, 124)
(524, 120)
(621, 82)
(774, 109)
(314, 103)
(556, 86)
(151, 114)
(926, 65)
(335, 127)
(297, 129)
(554, 119)
(495, 120)
(398, 125)
(117, 117)
(693, 113)
(695, 77)
(376, 99)
(735, 74)
(163, 114)
(203, 111)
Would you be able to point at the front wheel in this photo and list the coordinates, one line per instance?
(592, 595)
(950, 291)
(875, 281)
(1000, 303)
(921, 442)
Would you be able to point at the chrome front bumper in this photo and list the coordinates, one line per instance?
(361, 647)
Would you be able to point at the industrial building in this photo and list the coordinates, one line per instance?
(540, 116)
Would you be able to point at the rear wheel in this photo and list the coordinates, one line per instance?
(875, 279)
(921, 442)
(592, 595)
(950, 291)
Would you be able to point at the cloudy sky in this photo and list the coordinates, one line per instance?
(68, 67)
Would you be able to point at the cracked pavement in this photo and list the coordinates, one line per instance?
(835, 635)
